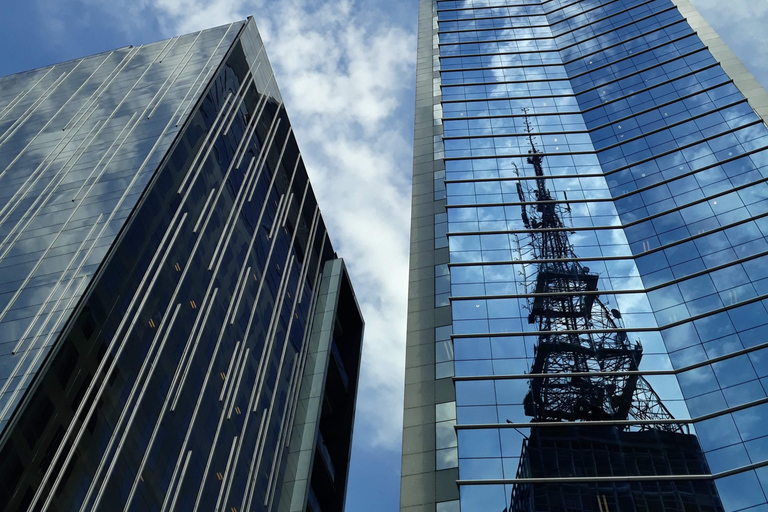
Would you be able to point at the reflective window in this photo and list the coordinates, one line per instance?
(158, 229)
(606, 221)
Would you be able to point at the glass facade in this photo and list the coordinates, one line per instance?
(598, 202)
(162, 256)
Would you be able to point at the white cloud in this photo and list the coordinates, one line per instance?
(741, 24)
(342, 78)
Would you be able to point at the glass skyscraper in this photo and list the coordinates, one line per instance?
(587, 322)
(176, 330)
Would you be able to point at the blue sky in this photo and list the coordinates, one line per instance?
(346, 70)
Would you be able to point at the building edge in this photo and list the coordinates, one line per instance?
(756, 94)
(422, 485)
(336, 319)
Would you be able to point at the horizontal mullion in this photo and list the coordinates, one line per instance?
(515, 155)
(692, 318)
(641, 71)
(512, 98)
(576, 93)
(660, 105)
(452, 9)
(677, 280)
(602, 175)
(540, 261)
(616, 144)
(595, 8)
(593, 22)
(517, 134)
(582, 57)
(686, 146)
(629, 57)
(612, 146)
(614, 258)
(596, 52)
(595, 293)
(516, 66)
(618, 169)
(572, 113)
(642, 373)
(567, 424)
(596, 87)
(660, 478)
(611, 200)
(509, 5)
(461, 31)
(497, 40)
(572, 44)
(586, 479)
(603, 227)
(594, 423)
(599, 6)
(634, 93)
(606, 292)
(530, 203)
(485, 18)
(525, 52)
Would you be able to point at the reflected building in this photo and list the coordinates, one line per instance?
(594, 414)
(613, 453)
(176, 330)
(588, 248)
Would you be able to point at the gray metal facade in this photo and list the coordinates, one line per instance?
(329, 362)
(422, 486)
(162, 260)
(653, 146)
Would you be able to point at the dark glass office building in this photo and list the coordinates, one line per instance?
(176, 331)
(589, 265)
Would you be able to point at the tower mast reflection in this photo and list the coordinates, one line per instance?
(586, 369)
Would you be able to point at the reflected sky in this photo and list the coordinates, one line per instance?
(80, 142)
(658, 178)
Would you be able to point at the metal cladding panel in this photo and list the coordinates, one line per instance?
(175, 380)
(320, 443)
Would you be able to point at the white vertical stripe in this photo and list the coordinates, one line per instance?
(211, 134)
(240, 296)
(135, 408)
(235, 355)
(194, 349)
(178, 486)
(175, 74)
(199, 80)
(5, 137)
(161, 255)
(236, 383)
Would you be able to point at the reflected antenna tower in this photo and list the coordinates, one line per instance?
(589, 361)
